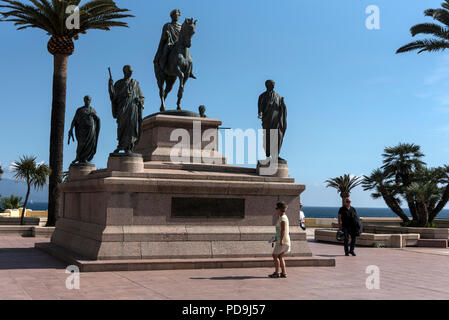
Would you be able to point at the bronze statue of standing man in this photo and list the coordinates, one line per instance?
(127, 105)
(273, 112)
(87, 128)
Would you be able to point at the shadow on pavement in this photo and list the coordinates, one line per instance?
(330, 255)
(230, 278)
(27, 258)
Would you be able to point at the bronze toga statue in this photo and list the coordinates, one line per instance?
(87, 128)
(273, 112)
(127, 105)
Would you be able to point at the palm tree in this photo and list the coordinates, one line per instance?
(12, 202)
(400, 163)
(35, 175)
(51, 16)
(344, 185)
(404, 176)
(440, 32)
(384, 189)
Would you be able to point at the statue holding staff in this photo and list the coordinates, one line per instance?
(127, 105)
(87, 128)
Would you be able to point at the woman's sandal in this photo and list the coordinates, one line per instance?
(274, 275)
(283, 275)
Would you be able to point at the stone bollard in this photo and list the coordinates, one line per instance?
(80, 171)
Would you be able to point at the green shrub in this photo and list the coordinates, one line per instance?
(378, 245)
(12, 202)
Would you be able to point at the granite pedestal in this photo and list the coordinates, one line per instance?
(150, 208)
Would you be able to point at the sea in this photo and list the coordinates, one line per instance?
(310, 212)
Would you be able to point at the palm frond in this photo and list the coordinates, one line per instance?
(51, 16)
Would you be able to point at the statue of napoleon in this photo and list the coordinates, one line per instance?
(87, 128)
(173, 59)
(273, 112)
(127, 105)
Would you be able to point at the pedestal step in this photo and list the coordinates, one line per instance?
(176, 264)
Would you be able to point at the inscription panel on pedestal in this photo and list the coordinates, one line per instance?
(207, 208)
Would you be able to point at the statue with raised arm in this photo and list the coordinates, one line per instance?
(127, 105)
(87, 128)
(273, 112)
(173, 59)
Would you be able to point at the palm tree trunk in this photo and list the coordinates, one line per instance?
(393, 205)
(25, 203)
(413, 208)
(423, 214)
(57, 135)
(440, 206)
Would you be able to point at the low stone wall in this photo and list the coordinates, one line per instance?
(27, 231)
(370, 240)
(29, 221)
(320, 222)
(425, 233)
(442, 223)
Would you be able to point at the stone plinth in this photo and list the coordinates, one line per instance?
(126, 162)
(80, 171)
(113, 215)
(275, 169)
(150, 208)
(161, 133)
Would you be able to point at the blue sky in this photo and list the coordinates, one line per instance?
(348, 95)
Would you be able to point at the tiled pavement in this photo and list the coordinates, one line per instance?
(27, 273)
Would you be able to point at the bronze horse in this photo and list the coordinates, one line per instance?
(179, 64)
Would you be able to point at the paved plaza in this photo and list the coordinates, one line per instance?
(413, 273)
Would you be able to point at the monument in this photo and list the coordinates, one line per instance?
(180, 201)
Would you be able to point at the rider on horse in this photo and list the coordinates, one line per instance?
(170, 35)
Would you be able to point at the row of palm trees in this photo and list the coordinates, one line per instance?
(403, 178)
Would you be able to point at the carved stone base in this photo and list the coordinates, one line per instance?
(277, 169)
(126, 162)
(163, 132)
(80, 171)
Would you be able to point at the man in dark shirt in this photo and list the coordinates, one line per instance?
(347, 224)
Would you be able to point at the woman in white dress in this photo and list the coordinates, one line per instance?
(282, 241)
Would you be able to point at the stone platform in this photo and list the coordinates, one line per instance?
(175, 264)
(142, 207)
